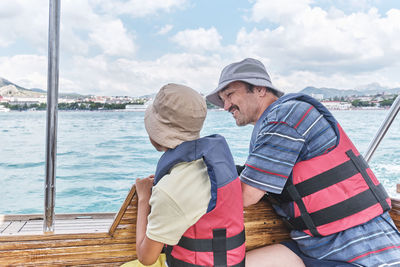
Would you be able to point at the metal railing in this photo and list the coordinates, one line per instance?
(51, 119)
(393, 111)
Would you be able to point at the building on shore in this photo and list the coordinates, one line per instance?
(336, 105)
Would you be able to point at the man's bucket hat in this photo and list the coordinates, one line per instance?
(248, 70)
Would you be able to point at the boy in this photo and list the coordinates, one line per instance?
(195, 207)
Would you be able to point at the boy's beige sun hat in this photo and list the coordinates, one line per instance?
(176, 115)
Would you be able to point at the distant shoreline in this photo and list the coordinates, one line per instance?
(132, 110)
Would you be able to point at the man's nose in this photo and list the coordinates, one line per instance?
(227, 105)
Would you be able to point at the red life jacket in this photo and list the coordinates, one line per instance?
(335, 191)
(218, 237)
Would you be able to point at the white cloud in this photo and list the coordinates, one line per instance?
(278, 11)
(29, 71)
(350, 6)
(165, 29)
(101, 76)
(9, 9)
(20, 20)
(325, 43)
(81, 28)
(140, 8)
(113, 39)
(86, 29)
(298, 80)
(306, 45)
(199, 39)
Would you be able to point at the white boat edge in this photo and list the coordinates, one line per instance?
(4, 109)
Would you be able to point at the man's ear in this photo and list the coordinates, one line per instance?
(261, 91)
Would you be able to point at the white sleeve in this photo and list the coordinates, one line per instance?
(178, 201)
(166, 221)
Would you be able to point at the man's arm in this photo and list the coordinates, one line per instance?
(147, 250)
(251, 195)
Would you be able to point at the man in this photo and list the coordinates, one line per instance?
(323, 188)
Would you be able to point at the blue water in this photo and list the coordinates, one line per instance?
(100, 154)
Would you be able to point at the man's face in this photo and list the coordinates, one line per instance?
(243, 105)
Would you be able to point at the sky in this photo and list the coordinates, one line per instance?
(134, 47)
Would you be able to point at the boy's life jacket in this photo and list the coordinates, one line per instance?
(218, 237)
(334, 191)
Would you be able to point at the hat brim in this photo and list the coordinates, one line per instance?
(214, 98)
(157, 130)
(166, 134)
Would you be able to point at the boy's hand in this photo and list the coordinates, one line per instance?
(143, 187)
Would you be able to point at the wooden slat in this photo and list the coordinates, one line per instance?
(66, 250)
(61, 216)
(25, 245)
(76, 221)
(70, 225)
(35, 237)
(127, 203)
(395, 212)
(14, 227)
(100, 262)
(76, 255)
(39, 229)
(61, 226)
(3, 226)
(263, 226)
(62, 232)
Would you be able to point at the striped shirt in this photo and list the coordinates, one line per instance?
(292, 131)
(286, 133)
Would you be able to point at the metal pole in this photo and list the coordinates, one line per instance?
(394, 109)
(51, 120)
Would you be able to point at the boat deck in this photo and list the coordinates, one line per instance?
(64, 224)
(89, 239)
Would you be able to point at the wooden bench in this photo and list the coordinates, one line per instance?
(116, 245)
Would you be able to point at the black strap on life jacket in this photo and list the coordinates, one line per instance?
(305, 217)
(219, 245)
(172, 262)
(379, 192)
(357, 203)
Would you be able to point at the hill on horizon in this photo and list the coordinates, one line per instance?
(369, 89)
(8, 88)
(5, 82)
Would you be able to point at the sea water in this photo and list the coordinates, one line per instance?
(99, 155)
